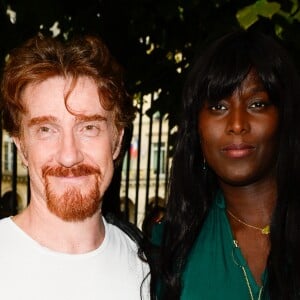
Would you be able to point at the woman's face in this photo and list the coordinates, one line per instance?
(239, 134)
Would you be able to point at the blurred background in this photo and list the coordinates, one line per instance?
(155, 42)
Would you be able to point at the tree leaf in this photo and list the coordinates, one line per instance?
(248, 15)
(297, 16)
(267, 9)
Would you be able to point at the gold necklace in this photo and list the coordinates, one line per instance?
(264, 230)
(235, 242)
(249, 287)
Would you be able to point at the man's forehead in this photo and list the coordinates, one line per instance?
(58, 93)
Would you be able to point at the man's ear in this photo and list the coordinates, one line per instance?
(118, 144)
(21, 150)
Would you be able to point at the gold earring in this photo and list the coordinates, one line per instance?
(204, 164)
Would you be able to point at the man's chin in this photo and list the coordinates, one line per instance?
(73, 205)
(74, 216)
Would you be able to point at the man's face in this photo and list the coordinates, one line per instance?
(69, 152)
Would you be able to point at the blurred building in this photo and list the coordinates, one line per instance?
(14, 192)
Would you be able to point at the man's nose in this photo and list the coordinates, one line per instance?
(69, 152)
(238, 121)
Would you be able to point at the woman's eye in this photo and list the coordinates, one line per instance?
(258, 104)
(218, 107)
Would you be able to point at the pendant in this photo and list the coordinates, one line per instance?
(265, 230)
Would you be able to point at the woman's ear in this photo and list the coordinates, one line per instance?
(118, 144)
(21, 150)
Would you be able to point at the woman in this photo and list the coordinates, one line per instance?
(232, 226)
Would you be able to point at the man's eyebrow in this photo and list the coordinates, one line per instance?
(86, 118)
(79, 118)
(41, 120)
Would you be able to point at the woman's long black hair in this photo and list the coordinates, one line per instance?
(216, 74)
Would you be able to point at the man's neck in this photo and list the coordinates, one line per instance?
(58, 235)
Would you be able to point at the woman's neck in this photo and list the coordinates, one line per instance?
(249, 211)
(253, 203)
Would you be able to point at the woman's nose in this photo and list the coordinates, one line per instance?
(238, 121)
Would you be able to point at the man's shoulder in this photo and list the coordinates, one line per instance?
(127, 238)
(125, 228)
(5, 224)
(9, 237)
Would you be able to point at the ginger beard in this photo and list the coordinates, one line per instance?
(73, 205)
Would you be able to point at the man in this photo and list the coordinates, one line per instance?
(65, 106)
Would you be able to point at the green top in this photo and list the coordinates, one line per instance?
(214, 267)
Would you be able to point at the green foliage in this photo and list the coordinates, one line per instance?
(280, 18)
(250, 14)
(155, 41)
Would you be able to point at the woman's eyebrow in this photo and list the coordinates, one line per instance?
(257, 89)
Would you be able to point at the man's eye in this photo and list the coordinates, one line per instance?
(90, 130)
(45, 132)
(44, 129)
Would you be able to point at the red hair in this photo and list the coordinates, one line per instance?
(42, 57)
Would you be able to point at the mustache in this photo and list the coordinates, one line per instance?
(59, 171)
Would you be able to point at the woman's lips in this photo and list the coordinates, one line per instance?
(238, 150)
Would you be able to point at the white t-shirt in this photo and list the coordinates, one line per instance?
(29, 271)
